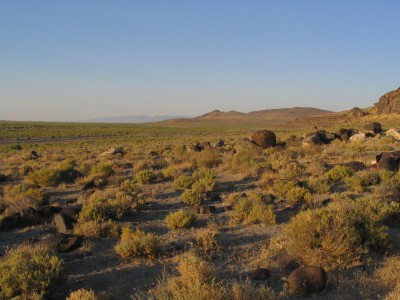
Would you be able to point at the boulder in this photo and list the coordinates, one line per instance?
(344, 134)
(34, 155)
(389, 103)
(27, 217)
(358, 137)
(62, 243)
(388, 161)
(3, 177)
(306, 281)
(264, 138)
(393, 132)
(326, 137)
(65, 220)
(206, 209)
(47, 212)
(260, 274)
(205, 145)
(69, 176)
(113, 151)
(375, 127)
(219, 143)
(311, 139)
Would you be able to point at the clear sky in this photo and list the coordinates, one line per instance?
(81, 59)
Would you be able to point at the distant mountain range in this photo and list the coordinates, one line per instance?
(131, 119)
(268, 116)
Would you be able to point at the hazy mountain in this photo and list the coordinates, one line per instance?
(131, 119)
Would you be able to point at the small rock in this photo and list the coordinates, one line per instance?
(306, 281)
(260, 274)
(393, 132)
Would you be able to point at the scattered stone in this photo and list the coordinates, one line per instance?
(47, 212)
(113, 151)
(69, 176)
(65, 220)
(27, 217)
(3, 177)
(264, 138)
(10, 222)
(219, 143)
(345, 134)
(388, 161)
(311, 139)
(393, 132)
(62, 243)
(306, 281)
(34, 155)
(358, 137)
(260, 274)
(375, 127)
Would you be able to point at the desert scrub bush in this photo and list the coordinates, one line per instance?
(97, 228)
(208, 158)
(171, 171)
(298, 194)
(182, 182)
(281, 187)
(179, 219)
(252, 210)
(191, 197)
(318, 185)
(338, 173)
(205, 180)
(389, 272)
(369, 178)
(83, 294)
(389, 186)
(25, 195)
(206, 238)
(333, 237)
(137, 243)
(245, 160)
(28, 272)
(103, 169)
(291, 170)
(145, 176)
(54, 175)
(385, 212)
(354, 183)
(97, 209)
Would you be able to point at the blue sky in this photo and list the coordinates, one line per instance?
(72, 60)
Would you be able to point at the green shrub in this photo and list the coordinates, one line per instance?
(252, 211)
(191, 197)
(338, 173)
(145, 176)
(385, 212)
(298, 194)
(28, 272)
(97, 209)
(137, 243)
(282, 187)
(25, 195)
(319, 185)
(334, 236)
(182, 182)
(97, 228)
(369, 178)
(102, 168)
(354, 183)
(171, 172)
(53, 175)
(179, 219)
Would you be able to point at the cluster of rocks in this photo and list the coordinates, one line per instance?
(198, 147)
(301, 282)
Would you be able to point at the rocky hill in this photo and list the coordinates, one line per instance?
(389, 103)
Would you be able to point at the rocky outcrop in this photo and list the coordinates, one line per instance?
(389, 103)
(356, 112)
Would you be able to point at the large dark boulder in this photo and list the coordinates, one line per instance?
(69, 176)
(48, 211)
(62, 243)
(285, 261)
(264, 138)
(388, 161)
(389, 103)
(306, 281)
(375, 127)
(345, 134)
(27, 217)
(65, 220)
(260, 274)
(311, 139)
